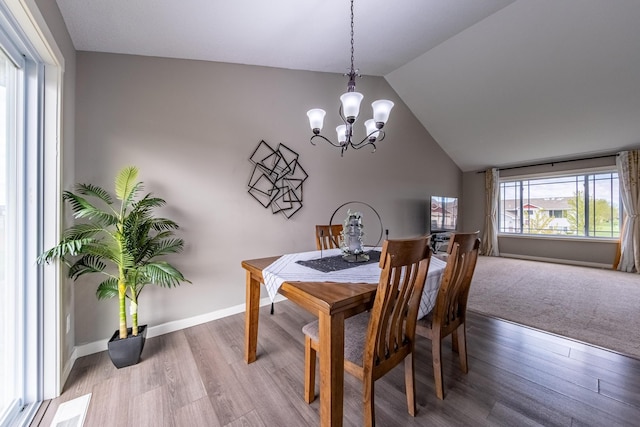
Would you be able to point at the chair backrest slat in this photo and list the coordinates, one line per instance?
(328, 236)
(404, 264)
(451, 302)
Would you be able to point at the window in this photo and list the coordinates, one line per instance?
(29, 127)
(556, 213)
(8, 312)
(586, 205)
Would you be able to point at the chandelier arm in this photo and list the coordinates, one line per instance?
(326, 139)
(341, 114)
(366, 141)
(364, 144)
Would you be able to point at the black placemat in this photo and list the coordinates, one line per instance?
(336, 263)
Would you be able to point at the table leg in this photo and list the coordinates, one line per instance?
(331, 369)
(251, 314)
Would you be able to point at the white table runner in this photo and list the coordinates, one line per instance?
(287, 269)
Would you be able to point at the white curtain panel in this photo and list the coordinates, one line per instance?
(628, 163)
(489, 244)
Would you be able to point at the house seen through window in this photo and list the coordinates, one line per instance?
(582, 205)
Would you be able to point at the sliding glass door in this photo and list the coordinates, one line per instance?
(21, 225)
(30, 328)
(10, 297)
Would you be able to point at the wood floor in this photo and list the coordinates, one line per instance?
(197, 377)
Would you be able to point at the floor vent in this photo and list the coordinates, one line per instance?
(72, 412)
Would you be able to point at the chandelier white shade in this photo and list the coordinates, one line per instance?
(381, 110)
(341, 133)
(351, 105)
(370, 126)
(316, 118)
(349, 112)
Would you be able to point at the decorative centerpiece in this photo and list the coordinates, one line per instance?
(352, 235)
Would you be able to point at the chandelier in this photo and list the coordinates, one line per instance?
(349, 111)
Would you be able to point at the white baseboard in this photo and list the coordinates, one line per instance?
(557, 261)
(66, 370)
(165, 328)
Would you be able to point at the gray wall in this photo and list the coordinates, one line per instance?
(51, 14)
(562, 250)
(190, 127)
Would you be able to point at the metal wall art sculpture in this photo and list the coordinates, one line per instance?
(277, 178)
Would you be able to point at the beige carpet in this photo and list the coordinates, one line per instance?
(596, 306)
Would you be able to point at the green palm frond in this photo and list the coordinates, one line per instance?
(136, 235)
(94, 191)
(65, 248)
(141, 214)
(128, 202)
(138, 218)
(165, 247)
(161, 235)
(86, 264)
(107, 289)
(102, 249)
(160, 224)
(128, 261)
(81, 231)
(126, 185)
(162, 273)
(149, 202)
(82, 208)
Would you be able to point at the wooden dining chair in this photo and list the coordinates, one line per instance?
(378, 340)
(462, 237)
(448, 316)
(328, 236)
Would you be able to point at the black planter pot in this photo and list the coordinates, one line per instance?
(127, 352)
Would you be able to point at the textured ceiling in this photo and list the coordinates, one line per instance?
(496, 82)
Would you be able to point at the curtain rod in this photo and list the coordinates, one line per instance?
(553, 163)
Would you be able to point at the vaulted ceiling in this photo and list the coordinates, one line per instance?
(495, 82)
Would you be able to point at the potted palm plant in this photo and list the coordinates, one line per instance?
(123, 243)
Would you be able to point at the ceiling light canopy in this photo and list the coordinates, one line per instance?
(349, 112)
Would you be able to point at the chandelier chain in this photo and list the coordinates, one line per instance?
(352, 56)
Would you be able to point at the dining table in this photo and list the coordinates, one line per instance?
(332, 297)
